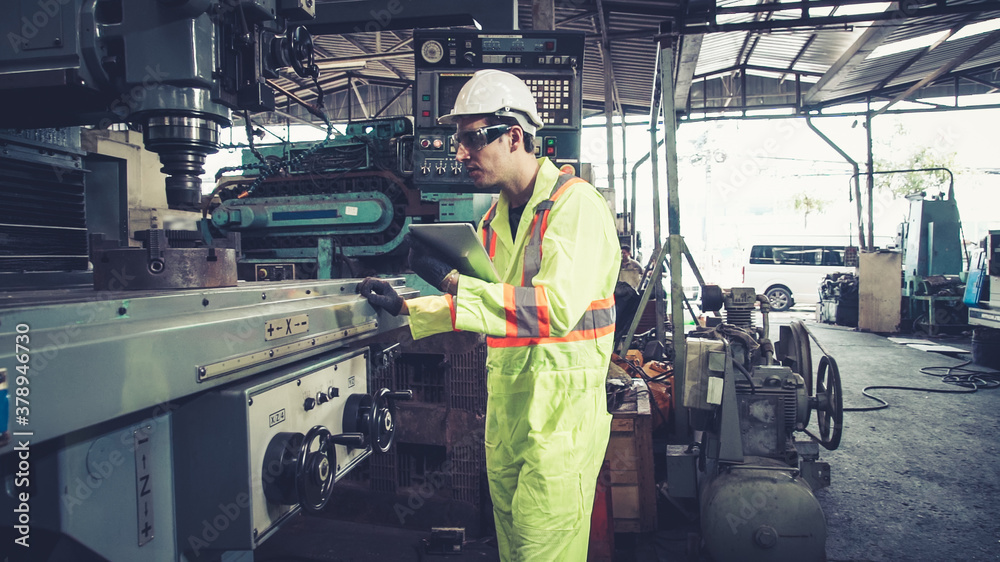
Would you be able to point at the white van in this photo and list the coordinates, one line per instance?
(790, 272)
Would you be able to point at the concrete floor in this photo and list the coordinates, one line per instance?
(916, 481)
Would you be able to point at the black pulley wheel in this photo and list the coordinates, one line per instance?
(278, 472)
(829, 403)
(383, 424)
(303, 53)
(315, 470)
(801, 352)
(711, 298)
(358, 416)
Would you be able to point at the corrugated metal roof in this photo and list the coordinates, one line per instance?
(767, 42)
(871, 75)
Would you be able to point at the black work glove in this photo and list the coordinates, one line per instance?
(380, 294)
(431, 269)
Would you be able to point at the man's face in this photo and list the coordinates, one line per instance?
(489, 166)
(626, 254)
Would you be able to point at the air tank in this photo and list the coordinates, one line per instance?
(761, 511)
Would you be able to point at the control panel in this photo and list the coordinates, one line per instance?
(550, 63)
(289, 439)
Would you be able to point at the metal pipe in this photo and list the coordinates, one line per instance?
(309, 107)
(625, 224)
(768, 349)
(857, 177)
(871, 183)
(654, 110)
(609, 96)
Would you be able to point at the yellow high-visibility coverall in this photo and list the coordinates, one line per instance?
(550, 338)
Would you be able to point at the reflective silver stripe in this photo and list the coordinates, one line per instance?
(596, 319)
(526, 310)
(533, 249)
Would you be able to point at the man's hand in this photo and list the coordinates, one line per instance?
(430, 268)
(380, 294)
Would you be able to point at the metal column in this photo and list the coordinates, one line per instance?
(871, 183)
(667, 41)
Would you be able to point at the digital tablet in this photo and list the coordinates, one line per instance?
(459, 246)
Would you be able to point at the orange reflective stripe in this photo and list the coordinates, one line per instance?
(489, 235)
(603, 303)
(510, 309)
(571, 337)
(597, 321)
(451, 306)
(558, 193)
(542, 302)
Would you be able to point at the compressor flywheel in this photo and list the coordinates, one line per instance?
(828, 403)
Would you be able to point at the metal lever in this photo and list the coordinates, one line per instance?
(400, 395)
(351, 440)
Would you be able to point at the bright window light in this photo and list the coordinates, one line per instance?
(907, 45)
(976, 29)
(854, 9)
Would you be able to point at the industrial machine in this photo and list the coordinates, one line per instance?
(176, 68)
(339, 210)
(982, 312)
(152, 406)
(328, 208)
(933, 257)
(550, 62)
(342, 209)
(983, 299)
(750, 465)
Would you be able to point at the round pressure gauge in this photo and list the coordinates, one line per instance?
(432, 51)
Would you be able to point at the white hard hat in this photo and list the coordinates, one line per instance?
(498, 93)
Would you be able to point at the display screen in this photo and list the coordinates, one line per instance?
(504, 44)
(448, 87)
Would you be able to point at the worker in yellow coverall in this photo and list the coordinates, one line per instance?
(549, 322)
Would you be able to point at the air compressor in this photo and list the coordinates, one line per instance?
(753, 465)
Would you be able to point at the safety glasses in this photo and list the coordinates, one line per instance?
(479, 138)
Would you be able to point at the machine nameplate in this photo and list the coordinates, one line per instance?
(285, 327)
(984, 317)
(205, 372)
(143, 484)
(276, 418)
